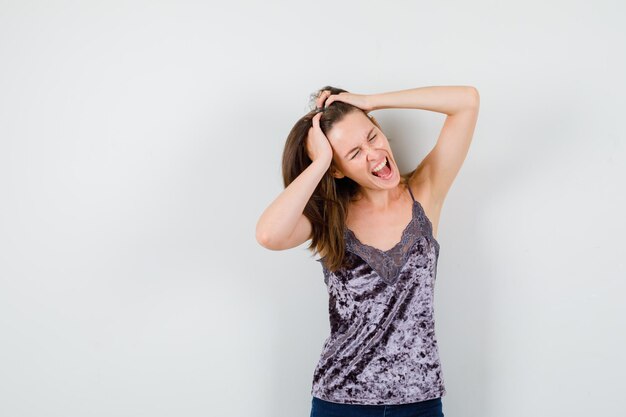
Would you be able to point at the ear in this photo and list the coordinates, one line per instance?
(336, 172)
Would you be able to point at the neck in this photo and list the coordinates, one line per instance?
(380, 201)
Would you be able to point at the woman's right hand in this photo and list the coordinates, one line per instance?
(317, 145)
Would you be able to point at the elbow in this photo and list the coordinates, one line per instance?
(265, 240)
(474, 97)
(262, 238)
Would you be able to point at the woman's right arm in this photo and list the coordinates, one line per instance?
(283, 224)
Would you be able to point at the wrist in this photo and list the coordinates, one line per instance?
(373, 102)
(323, 162)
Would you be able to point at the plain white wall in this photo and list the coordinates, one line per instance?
(140, 142)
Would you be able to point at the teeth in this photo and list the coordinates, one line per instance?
(380, 166)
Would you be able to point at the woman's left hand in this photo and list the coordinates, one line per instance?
(361, 101)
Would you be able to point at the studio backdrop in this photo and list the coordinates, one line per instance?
(140, 141)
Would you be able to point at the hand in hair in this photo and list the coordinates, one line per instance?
(317, 145)
(319, 103)
(361, 101)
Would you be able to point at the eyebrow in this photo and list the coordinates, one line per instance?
(357, 147)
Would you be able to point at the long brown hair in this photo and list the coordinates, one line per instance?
(327, 207)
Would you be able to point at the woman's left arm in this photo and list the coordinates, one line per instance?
(460, 103)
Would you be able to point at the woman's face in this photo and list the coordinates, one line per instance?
(359, 147)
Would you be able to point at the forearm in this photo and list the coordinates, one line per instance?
(441, 99)
(279, 220)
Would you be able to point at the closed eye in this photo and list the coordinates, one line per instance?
(357, 152)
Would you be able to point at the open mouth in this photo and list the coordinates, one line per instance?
(384, 172)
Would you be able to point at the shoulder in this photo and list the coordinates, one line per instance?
(420, 186)
(417, 181)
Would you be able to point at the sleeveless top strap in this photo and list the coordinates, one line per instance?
(409, 187)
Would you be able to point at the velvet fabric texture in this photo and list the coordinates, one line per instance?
(382, 348)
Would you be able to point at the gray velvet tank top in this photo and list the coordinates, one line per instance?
(382, 347)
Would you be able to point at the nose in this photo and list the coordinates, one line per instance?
(372, 154)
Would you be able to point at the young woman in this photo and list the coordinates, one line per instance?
(375, 230)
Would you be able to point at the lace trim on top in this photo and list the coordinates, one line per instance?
(389, 263)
